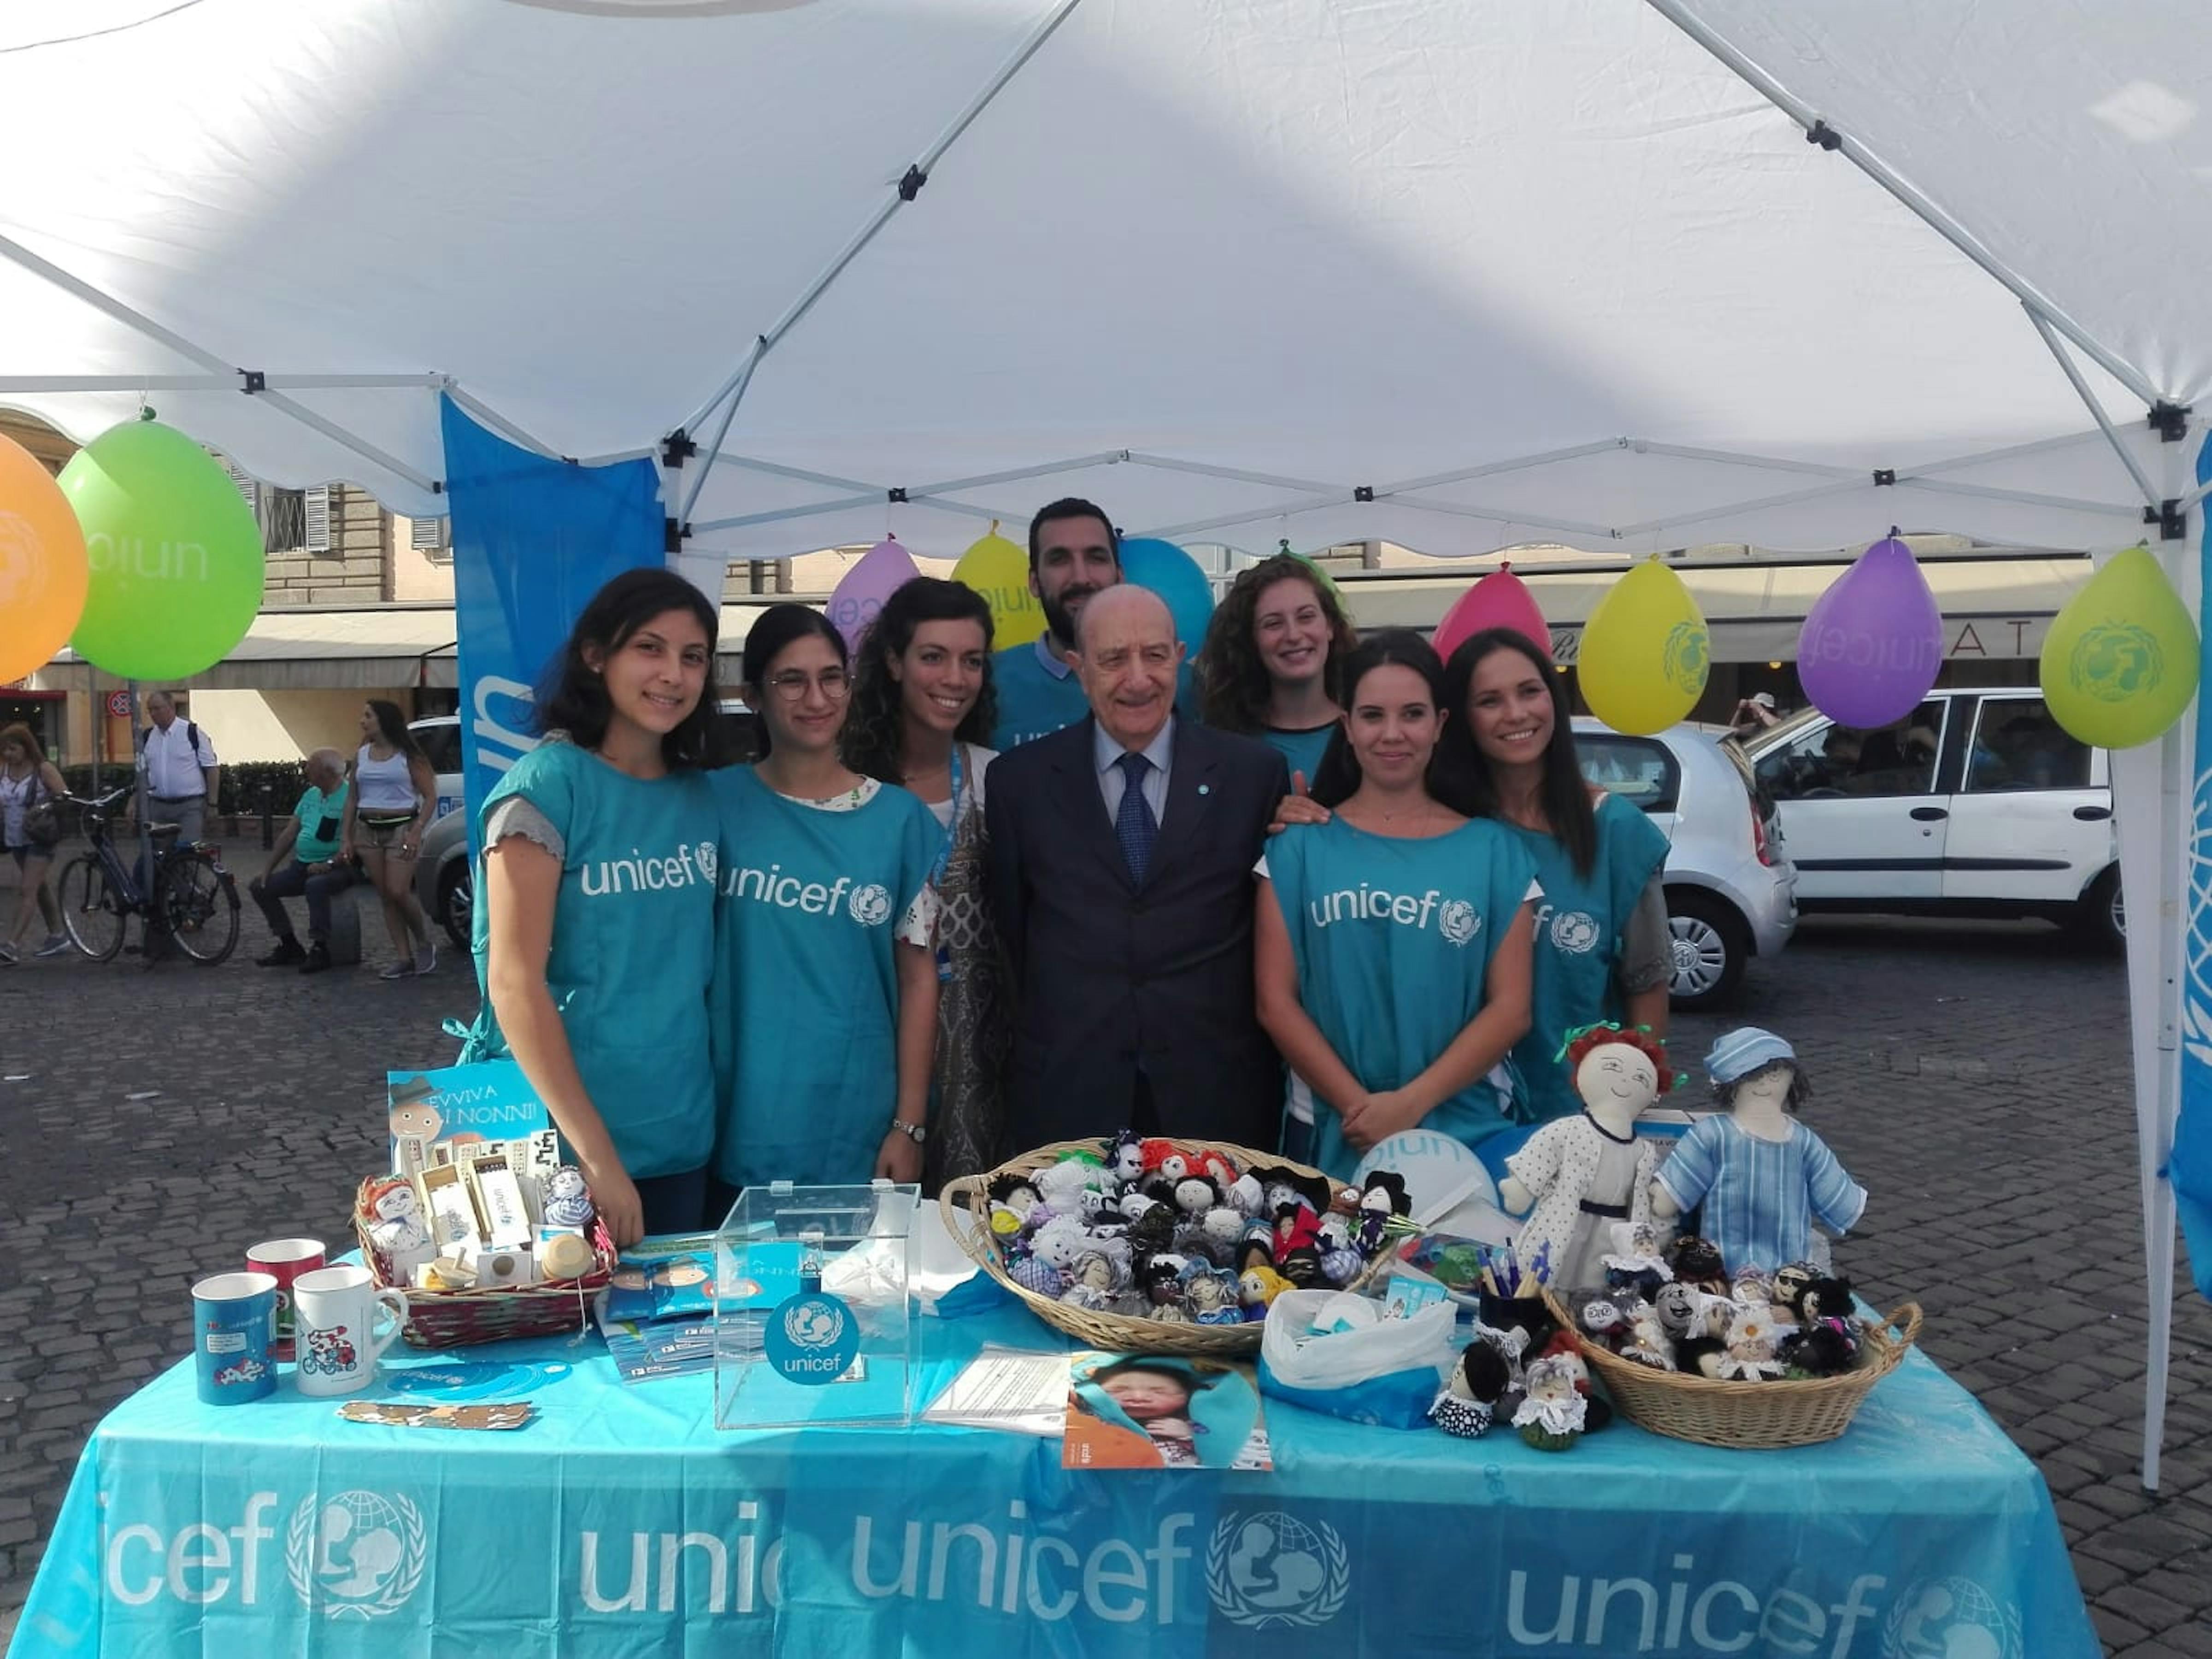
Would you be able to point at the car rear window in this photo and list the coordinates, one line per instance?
(1638, 770)
(442, 745)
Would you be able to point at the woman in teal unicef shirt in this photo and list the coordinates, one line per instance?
(1391, 962)
(595, 938)
(1274, 661)
(825, 976)
(1602, 951)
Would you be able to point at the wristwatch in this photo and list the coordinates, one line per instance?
(917, 1132)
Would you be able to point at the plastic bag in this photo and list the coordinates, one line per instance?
(1365, 1368)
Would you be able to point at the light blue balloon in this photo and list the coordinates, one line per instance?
(1175, 577)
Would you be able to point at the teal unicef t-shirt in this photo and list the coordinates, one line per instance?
(1301, 751)
(1393, 940)
(1035, 702)
(806, 982)
(1578, 938)
(633, 946)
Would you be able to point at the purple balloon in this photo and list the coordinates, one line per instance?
(1872, 644)
(856, 598)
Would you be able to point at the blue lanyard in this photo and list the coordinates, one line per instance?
(937, 870)
(951, 829)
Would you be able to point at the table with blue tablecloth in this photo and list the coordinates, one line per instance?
(622, 1522)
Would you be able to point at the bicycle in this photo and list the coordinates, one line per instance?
(194, 902)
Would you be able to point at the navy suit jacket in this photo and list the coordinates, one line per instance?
(1111, 975)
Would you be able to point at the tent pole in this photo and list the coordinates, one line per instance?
(1461, 475)
(113, 307)
(905, 191)
(1677, 13)
(492, 418)
(2096, 409)
(1234, 475)
(232, 382)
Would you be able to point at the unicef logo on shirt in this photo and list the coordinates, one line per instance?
(812, 1338)
(1275, 1569)
(1457, 921)
(1574, 932)
(1948, 1617)
(709, 856)
(871, 905)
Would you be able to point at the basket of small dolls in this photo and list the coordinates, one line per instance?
(1218, 1297)
(461, 1319)
(1761, 1415)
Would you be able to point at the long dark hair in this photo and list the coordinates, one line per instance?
(572, 698)
(1337, 779)
(875, 726)
(1562, 793)
(777, 628)
(1233, 684)
(392, 726)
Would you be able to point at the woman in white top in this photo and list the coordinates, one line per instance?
(921, 704)
(395, 794)
(27, 779)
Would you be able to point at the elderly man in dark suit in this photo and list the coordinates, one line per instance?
(1121, 871)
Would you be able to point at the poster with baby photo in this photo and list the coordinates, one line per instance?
(1137, 1411)
(485, 1100)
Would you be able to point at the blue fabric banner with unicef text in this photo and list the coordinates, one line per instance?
(620, 1522)
(533, 539)
(2190, 1167)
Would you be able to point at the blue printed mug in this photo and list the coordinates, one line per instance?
(235, 1337)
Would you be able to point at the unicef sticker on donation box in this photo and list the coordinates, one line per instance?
(814, 1319)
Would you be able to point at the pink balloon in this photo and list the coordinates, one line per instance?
(855, 599)
(1872, 644)
(1501, 600)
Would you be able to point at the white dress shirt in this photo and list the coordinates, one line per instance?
(1106, 756)
(172, 767)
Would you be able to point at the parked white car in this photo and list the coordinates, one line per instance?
(1730, 887)
(1977, 804)
(440, 738)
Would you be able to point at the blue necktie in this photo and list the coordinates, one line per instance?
(1134, 826)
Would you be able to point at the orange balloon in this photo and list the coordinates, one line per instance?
(43, 574)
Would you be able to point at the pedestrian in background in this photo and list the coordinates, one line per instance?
(31, 789)
(394, 795)
(182, 774)
(305, 863)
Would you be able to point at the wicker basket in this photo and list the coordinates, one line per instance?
(461, 1319)
(965, 1203)
(1746, 1416)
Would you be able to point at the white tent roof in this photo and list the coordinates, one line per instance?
(1333, 247)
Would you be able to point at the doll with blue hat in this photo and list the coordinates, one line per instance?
(1760, 1176)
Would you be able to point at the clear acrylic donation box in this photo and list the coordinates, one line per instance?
(813, 1318)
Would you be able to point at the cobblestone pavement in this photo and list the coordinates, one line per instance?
(154, 1122)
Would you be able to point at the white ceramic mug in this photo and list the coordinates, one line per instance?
(333, 1314)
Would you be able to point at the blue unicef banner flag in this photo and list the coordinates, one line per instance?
(2191, 1169)
(533, 539)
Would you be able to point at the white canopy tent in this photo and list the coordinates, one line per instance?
(1451, 276)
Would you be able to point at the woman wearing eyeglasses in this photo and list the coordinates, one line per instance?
(825, 994)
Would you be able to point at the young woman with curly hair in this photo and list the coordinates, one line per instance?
(922, 704)
(1272, 663)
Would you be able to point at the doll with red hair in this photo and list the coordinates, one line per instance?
(1578, 1175)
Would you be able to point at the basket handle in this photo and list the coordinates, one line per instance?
(1905, 1319)
(962, 1204)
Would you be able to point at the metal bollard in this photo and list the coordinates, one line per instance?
(268, 820)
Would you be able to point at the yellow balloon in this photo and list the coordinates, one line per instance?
(43, 573)
(1644, 652)
(1000, 570)
(2119, 664)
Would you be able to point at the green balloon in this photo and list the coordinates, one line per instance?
(174, 552)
